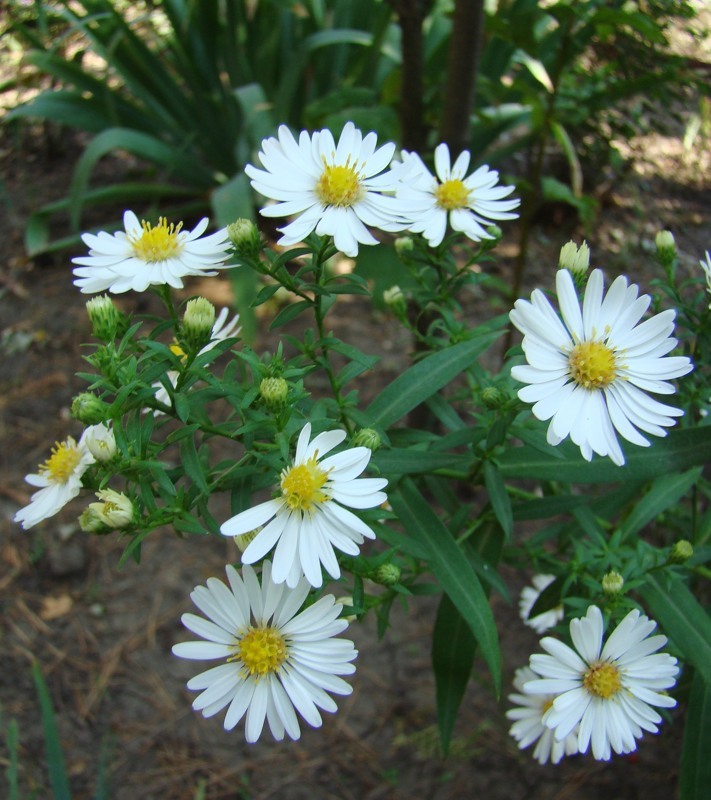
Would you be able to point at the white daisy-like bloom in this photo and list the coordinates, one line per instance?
(308, 521)
(590, 372)
(528, 727)
(529, 594)
(608, 691)
(59, 479)
(468, 203)
(277, 659)
(334, 189)
(100, 441)
(148, 255)
(221, 330)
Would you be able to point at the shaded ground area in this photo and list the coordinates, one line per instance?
(102, 635)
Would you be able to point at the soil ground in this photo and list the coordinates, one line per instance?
(102, 634)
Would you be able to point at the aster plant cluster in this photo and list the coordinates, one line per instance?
(425, 489)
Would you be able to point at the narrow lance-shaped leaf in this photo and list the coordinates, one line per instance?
(682, 618)
(453, 648)
(663, 493)
(452, 570)
(425, 378)
(695, 778)
(680, 450)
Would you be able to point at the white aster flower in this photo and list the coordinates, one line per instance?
(308, 518)
(115, 509)
(148, 255)
(529, 594)
(468, 203)
(608, 691)
(335, 189)
(221, 330)
(590, 373)
(528, 727)
(59, 479)
(277, 659)
(100, 441)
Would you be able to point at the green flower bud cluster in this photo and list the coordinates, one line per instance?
(89, 409)
(107, 321)
(274, 393)
(386, 574)
(367, 437)
(198, 321)
(245, 237)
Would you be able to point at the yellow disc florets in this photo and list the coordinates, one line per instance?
(603, 680)
(157, 243)
(339, 185)
(60, 466)
(593, 365)
(301, 485)
(262, 651)
(452, 194)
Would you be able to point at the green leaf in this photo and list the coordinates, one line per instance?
(52, 742)
(682, 618)
(662, 494)
(695, 777)
(677, 452)
(425, 378)
(453, 648)
(401, 461)
(191, 464)
(498, 497)
(452, 570)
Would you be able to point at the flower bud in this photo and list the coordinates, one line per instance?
(666, 247)
(274, 392)
(104, 316)
(575, 260)
(348, 603)
(242, 540)
(681, 551)
(91, 522)
(115, 509)
(404, 245)
(387, 574)
(367, 437)
(612, 583)
(492, 397)
(395, 300)
(495, 232)
(89, 409)
(245, 237)
(100, 442)
(198, 321)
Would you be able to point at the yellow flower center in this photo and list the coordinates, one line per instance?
(339, 185)
(593, 365)
(452, 194)
(546, 705)
(301, 485)
(261, 651)
(61, 464)
(157, 243)
(603, 680)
